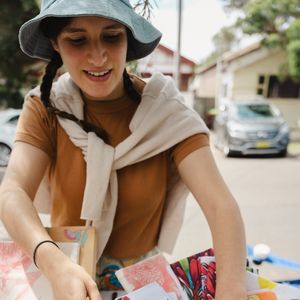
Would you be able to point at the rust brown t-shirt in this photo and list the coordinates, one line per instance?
(142, 187)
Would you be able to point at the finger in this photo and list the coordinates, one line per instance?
(92, 291)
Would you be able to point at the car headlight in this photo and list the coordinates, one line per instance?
(284, 129)
(237, 133)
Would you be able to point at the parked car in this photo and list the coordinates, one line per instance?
(8, 124)
(251, 128)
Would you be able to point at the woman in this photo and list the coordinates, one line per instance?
(108, 143)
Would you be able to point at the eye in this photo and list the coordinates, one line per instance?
(77, 41)
(112, 38)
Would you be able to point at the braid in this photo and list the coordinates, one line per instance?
(132, 92)
(86, 126)
(47, 81)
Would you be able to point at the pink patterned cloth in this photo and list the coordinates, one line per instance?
(154, 269)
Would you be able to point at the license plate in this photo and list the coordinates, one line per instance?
(263, 144)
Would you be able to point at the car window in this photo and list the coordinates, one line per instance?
(250, 111)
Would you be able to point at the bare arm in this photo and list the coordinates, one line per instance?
(22, 178)
(23, 175)
(199, 172)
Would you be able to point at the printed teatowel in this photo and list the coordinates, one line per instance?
(151, 270)
(19, 277)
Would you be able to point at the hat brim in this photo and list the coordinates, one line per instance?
(145, 37)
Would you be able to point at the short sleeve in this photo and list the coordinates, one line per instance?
(187, 146)
(36, 127)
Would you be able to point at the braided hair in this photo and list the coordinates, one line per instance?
(51, 27)
(129, 88)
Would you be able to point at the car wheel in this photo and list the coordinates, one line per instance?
(283, 153)
(5, 151)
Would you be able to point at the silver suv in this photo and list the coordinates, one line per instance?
(251, 128)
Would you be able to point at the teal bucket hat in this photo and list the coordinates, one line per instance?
(145, 36)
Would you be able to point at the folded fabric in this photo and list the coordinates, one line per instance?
(151, 270)
(197, 276)
(149, 292)
(19, 277)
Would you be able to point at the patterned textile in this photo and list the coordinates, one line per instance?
(196, 275)
(107, 266)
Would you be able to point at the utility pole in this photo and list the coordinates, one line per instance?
(177, 73)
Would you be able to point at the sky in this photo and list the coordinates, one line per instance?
(201, 20)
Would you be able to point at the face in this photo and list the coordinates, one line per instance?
(93, 50)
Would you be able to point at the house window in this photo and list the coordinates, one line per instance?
(261, 79)
(283, 89)
(260, 91)
(262, 85)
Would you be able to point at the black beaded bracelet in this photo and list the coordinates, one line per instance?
(38, 245)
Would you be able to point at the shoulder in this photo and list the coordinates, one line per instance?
(34, 111)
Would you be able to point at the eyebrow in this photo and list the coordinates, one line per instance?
(78, 29)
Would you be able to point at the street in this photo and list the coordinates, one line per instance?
(268, 193)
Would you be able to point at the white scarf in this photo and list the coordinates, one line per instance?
(161, 121)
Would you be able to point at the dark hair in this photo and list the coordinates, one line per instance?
(51, 28)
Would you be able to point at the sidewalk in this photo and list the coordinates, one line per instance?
(294, 145)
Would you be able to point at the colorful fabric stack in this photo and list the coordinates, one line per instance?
(197, 275)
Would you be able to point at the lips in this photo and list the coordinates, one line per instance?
(98, 76)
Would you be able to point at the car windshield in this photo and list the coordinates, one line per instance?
(252, 111)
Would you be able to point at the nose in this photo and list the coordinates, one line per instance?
(97, 54)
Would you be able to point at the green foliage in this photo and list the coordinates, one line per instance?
(294, 59)
(14, 71)
(276, 21)
(234, 4)
(293, 32)
(224, 40)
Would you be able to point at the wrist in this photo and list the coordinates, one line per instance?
(34, 256)
(48, 257)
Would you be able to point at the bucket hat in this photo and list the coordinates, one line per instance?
(145, 35)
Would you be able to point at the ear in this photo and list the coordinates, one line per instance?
(54, 45)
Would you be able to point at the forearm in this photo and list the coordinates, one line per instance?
(21, 218)
(230, 252)
(202, 177)
(22, 222)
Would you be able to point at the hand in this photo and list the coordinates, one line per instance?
(69, 281)
(72, 282)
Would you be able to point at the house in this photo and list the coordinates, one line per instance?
(248, 73)
(162, 60)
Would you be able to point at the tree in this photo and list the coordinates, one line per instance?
(144, 7)
(223, 41)
(14, 65)
(277, 22)
(230, 5)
